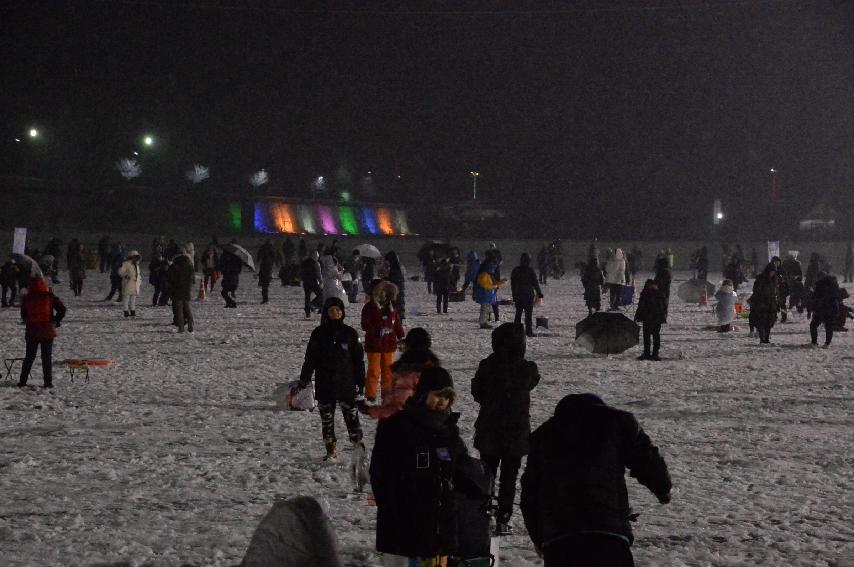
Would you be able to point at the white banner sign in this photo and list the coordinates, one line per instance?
(19, 241)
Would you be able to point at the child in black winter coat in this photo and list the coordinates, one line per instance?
(502, 387)
(652, 313)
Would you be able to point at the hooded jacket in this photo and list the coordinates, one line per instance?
(575, 482)
(335, 356)
(380, 320)
(310, 272)
(765, 299)
(502, 386)
(615, 268)
(524, 284)
(472, 268)
(652, 306)
(331, 275)
(486, 283)
(181, 278)
(131, 277)
(42, 311)
(825, 299)
(725, 308)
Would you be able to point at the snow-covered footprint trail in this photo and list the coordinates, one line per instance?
(172, 455)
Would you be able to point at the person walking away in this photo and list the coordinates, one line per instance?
(397, 276)
(158, 277)
(76, 262)
(311, 282)
(663, 277)
(331, 276)
(9, 281)
(131, 282)
(525, 288)
(42, 312)
(302, 250)
(429, 268)
(210, 267)
(652, 313)
(472, 269)
(288, 251)
(117, 258)
(442, 284)
(104, 253)
(726, 298)
(406, 372)
(353, 266)
(849, 263)
(764, 303)
(455, 260)
(266, 259)
(543, 264)
(703, 264)
(825, 304)
(383, 328)
(335, 358)
(592, 280)
(231, 267)
(486, 291)
(414, 470)
(494, 254)
(502, 386)
(182, 279)
(615, 277)
(574, 498)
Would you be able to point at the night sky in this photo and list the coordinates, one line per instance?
(619, 113)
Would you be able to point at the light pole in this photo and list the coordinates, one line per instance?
(474, 176)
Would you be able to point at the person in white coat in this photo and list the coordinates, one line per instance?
(331, 275)
(131, 281)
(725, 308)
(615, 276)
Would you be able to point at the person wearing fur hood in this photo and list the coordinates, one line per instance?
(383, 327)
(726, 297)
(331, 277)
(131, 281)
(615, 276)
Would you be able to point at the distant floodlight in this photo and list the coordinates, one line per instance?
(148, 141)
(370, 173)
(128, 168)
(259, 178)
(198, 174)
(34, 133)
(345, 196)
(773, 170)
(720, 216)
(17, 139)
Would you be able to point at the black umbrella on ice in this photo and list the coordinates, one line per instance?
(241, 253)
(607, 333)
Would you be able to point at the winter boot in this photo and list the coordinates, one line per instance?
(127, 313)
(502, 525)
(133, 313)
(331, 454)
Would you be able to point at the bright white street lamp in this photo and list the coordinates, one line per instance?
(474, 176)
(148, 141)
(34, 133)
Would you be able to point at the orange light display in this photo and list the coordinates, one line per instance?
(284, 219)
(385, 221)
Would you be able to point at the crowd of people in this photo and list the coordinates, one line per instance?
(421, 470)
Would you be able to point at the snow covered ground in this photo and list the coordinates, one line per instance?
(173, 455)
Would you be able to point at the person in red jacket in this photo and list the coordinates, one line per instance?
(42, 312)
(382, 326)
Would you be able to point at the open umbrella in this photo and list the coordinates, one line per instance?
(692, 290)
(607, 333)
(368, 251)
(28, 264)
(241, 253)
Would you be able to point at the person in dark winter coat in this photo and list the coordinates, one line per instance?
(210, 266)
(442, 283)
(311, 281)
(825, 306)
(652, 313)
(397, 276)
(76, 262)
(231, 266)
(414, 469)
(592, 279)
(703, 264)
(813, 268)
(266, 259)
(574, 497)
(42, 312)
(472, 269)
(849, 263)
(104, 253)
(543, 264)
(502, 386)
(525, 288)
(764, 303)
(302, 250)
(663, 277)
(117, 258)
(288, 250)
(335, 357)
(158, 277)
(9, 281)
(181, 277)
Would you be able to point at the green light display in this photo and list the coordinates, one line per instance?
(235, 216)
(348, 220)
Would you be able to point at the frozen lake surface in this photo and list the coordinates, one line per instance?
(173, 454)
